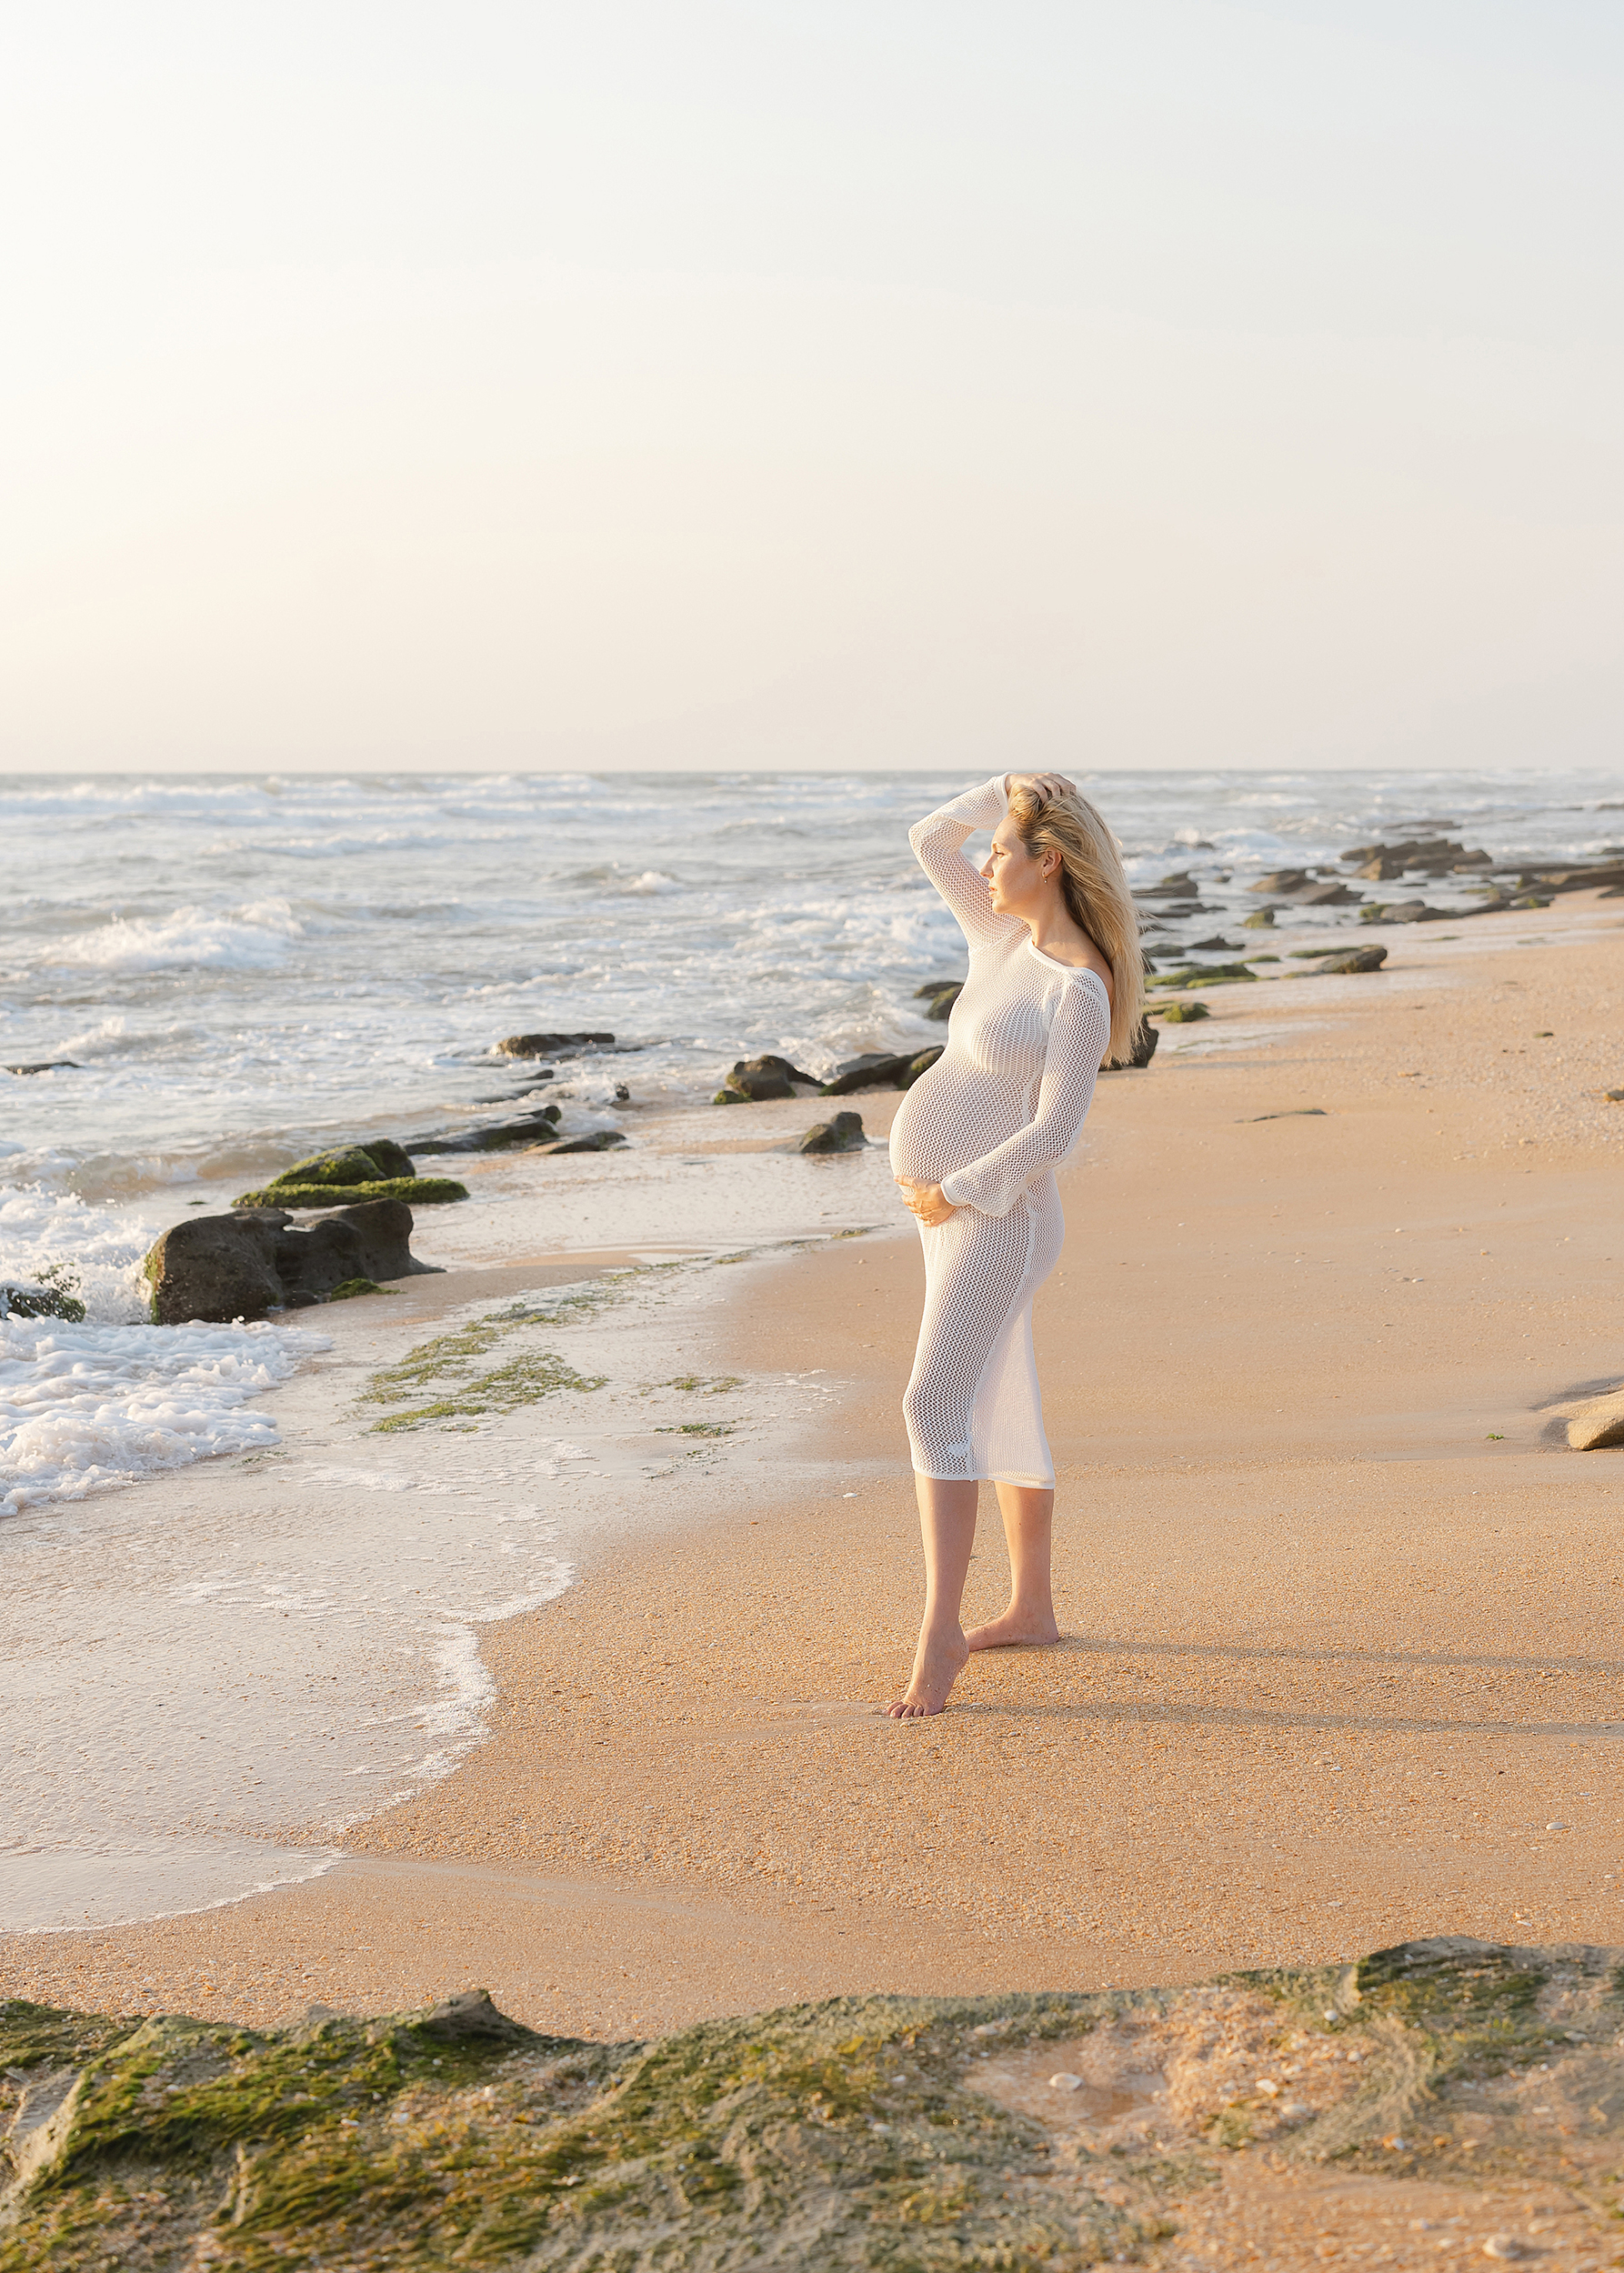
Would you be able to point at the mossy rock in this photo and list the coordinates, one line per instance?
(420, 1191)
(347, 1289)
(349, 1164)
(862, 2135)
(1182, 1013)
(1206, 975)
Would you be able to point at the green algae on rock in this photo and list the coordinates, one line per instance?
(367, 1163)
(421, 1191)
(913, 2134)
(348, 1288)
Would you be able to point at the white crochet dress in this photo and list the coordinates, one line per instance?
(1001, 1106)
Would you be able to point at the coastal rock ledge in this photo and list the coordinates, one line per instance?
(254, 1260)
(1447, 2090)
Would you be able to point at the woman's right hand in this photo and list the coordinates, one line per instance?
(1048, 786)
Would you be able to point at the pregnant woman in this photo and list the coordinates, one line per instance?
(1056, 985)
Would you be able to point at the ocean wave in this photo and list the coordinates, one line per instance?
(83, 1408)
(257, 937)
(101, 1250)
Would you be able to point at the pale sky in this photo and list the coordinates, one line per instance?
(811, 383)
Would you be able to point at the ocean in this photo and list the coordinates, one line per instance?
(238, 970)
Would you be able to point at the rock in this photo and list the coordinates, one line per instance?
(370, 1241)
(491, 1136)
(1261, 919)
(1597, 1423)
(921, 1065)
(595, 1140)
(421, 1191)
(348, 1288)
(1413, 912)
(377, 1160)
(1382, 869)
(757, 1080)
(1217, 945)
(875, 1069)
(842, 1133)
(1205, 974)
(936, 987)
(1141, 1054)
(1282, 880)
(472, 2018)
(48, 1066)
(1183, 1013)
(216, 1267)
(255, 1259)
(18, 1299)
(185, 2126)
(548, 1045)
(943, 1000)
(1345, 965)
(1181, 886)
(1322, 895)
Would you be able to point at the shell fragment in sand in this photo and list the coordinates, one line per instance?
(1065, 2081)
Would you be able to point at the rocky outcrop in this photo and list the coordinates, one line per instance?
(594, 1140)
(216, 1267)
(1205, 974)
(255, 1261)
(1279, 880)
(550, 1045)
(529, 1128)
(1450, 2091)
(377, 1169)
(875, 1069)
(1183, 1013)
(421, 1191)
(48, 1066)
(842, 1133)
(759, 1081)
(921, 1065)
(1346, 963)
(941, 994)
(1261, 919)
(1410, 912)
(378, 1159)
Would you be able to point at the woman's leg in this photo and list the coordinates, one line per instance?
(947, 1524)
(1029, 1526)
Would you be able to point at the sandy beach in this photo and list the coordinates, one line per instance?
(1342, 1660)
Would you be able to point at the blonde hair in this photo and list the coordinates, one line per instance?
(1097, 897)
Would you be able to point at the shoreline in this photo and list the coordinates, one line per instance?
(1271, 1458)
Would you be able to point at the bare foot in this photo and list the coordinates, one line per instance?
(1016, 1629)
(937, 1663)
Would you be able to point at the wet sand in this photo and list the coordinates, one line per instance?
(1341, 1661)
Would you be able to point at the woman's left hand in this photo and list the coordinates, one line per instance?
(926, 1201)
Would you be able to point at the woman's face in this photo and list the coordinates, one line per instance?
(1019, 882)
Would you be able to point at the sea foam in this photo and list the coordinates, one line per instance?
(84, 1407)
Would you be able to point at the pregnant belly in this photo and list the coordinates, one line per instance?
(945, 1124)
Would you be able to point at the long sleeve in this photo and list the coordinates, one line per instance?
(1077, 1044)
(936, 841)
